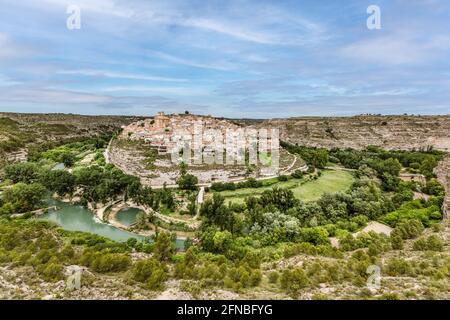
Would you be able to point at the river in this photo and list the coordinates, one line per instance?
(78, 218)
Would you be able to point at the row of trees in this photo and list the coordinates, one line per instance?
(94, 183)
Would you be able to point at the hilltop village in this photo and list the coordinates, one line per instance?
(146, 148)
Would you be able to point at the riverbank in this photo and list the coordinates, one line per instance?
(106, 214)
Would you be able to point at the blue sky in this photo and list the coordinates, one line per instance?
(255, 59)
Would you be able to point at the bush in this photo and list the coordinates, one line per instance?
(105, 262)
(293, 280)
(398, 267)
(408, 229)
(416, 209)
(397, 241)
(242, 277)
(273, 277)
(51, 271)
(151, 272)
(432, 243)
(283, 178)
(297, 174)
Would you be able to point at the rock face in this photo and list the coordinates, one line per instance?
(389, 132)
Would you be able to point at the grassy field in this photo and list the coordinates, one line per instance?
(329, 181)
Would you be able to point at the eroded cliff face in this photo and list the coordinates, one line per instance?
(389, 132)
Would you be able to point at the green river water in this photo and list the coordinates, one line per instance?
(128, 216)
(78, 218)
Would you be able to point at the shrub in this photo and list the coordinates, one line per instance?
(432, 243)
(151, 272)
(396, 241)
(51, 271)
(273, 277)
(408, 229)
(398, 267)
(297, 174)
(293, 280)
(106, 262)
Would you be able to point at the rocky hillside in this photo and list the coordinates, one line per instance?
(19, 131)
(389, 132)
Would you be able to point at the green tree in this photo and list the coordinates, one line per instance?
(59, 181)
(67, 158)
(427, 166)
(282, 199)
(187, 182)
(26, 172)
(24, 197)
(217, 213)
(164, 246)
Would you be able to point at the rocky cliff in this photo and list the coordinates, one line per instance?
(389, 132)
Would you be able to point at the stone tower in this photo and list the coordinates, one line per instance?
(161, 120)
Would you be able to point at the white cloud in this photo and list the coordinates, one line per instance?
(230, 30)
(223, 66)
(157, 90)
(11, 49)
(52, 96)
(117, 75)
(397, 49)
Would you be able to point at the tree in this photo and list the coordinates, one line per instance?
(434, 188)
(217, 213)
(67, 158)
(427, 166)
(389, 182)
(88, 176)
(187, 182)
(396, 241)
(183, 168)
(222, 241)
(408, 229)
(26, 172)
(24, 197)
(59, 181)
(282, 199)
(164, 246)
(432, 243)
(390, 166)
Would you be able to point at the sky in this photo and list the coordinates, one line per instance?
(234, 58)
